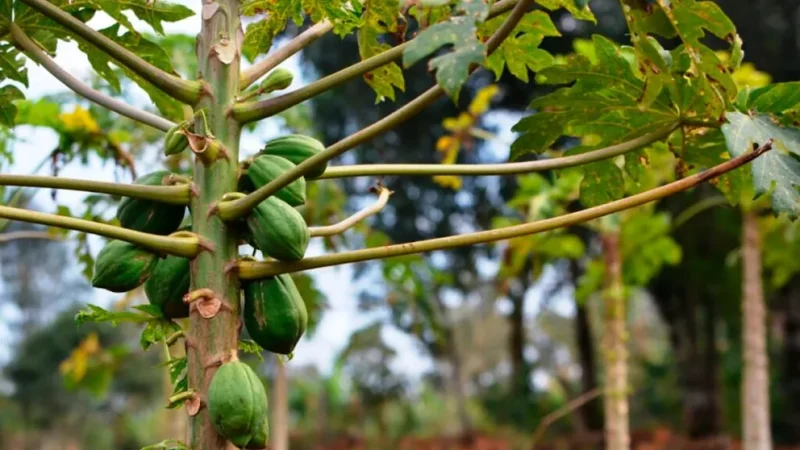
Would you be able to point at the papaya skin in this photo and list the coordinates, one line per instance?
(237, 405)
(122, 267)
(149, 216)
(275, 314)
(266, 168)
(167, 285)
(297, 148)
(278, 230)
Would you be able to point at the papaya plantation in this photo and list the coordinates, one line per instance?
(647, 168)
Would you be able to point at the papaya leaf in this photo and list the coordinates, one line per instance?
(602, 107)
(94, 313)
(8, 110)
(379, 18)
(154, 13)
(249, 346)
(776, 172)
(12, 64)
(703, 150)
(338, 12)
(781, 99)
(43, 30)
(259, 34)
(577, 11)
(520, 52)
(647, 246)
(156, 330)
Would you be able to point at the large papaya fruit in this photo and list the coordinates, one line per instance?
(147, 215)
(167, 285)
(122, 267)
(274, 313)
(296, 148)
(266, 168)
(278, 230)
(237, 405)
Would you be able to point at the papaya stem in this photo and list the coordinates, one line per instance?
(299, 42)
(37, 54)
(257, 270)
(517, 168)
(346, 224)
(183, 90)
(187, 247)
(253, 111)
(182, 396)
(176, 194)
(173, 338)
(198, 294)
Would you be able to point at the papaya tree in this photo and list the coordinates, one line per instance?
(191, 265)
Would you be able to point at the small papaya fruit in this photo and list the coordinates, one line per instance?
(237, 405)
(122, 267)
(147, 215)
(276, 80)
(296, 148)
(278, 230)
(274, 313)
(175, 141)
(167, 285)
(266, 168)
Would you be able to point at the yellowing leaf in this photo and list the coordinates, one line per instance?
(448, 181)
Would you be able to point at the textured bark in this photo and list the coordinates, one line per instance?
(755, 384)
(615, 353)
(210, 341)
(279, 428)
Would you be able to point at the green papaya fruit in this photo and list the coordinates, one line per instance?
(167, 285)
(147, 215)
(296, 148)
(278, 230)
(276, 80)
(274, 313)
(122, 267)
(175, 141)
(266, 168)
(237, 405)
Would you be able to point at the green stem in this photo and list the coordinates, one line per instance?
(346, 224)
(82, 89)
(697, 208)
(280, 55)
(188, 247)
(176, 87)
(501, 168)
(185, 395)
(176, 195)
(252, 111)
(255, 270)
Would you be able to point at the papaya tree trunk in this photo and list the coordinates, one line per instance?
(615, 353)
(755, 384)
(211, 341)
(280, 409)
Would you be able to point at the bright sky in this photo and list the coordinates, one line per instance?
(343, 316)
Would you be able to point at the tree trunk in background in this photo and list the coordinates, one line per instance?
(279, 428)
(755, 383)
(591, 412)
(617, 434)
(516, 343)
(791, 361)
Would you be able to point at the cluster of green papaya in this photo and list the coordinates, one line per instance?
(121, 266)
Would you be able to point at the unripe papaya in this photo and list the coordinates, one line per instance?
(266, 168)
(237, 405)
(274, 313)
(122, 267)
(175, 140)
(147, 215)
(278, 230)
(277, 79)
(296, 148)
(167, 285)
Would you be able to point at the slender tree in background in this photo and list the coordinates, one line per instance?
(617, 101)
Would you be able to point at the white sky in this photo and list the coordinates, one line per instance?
(342, 317)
